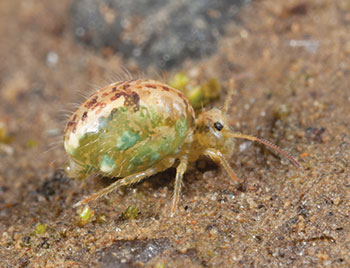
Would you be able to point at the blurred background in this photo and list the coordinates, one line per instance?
(290, 60)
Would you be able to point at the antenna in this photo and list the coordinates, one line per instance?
(267, 143)
(229, 96)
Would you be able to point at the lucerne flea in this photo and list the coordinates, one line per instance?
(134, 129)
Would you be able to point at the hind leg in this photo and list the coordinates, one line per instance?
(131, 179)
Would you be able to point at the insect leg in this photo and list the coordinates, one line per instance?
(180, 170)
(131, 179)
(217, 156)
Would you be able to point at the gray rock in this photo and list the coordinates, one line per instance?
(154, 32)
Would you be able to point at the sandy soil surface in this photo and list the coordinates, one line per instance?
(291, 63)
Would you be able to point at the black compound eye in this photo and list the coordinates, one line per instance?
(218, 126)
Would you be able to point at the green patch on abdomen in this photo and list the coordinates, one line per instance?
(143, 158)
(181, 127)
(129, 142)
(107, 164)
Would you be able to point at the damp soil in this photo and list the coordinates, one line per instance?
(290, 60)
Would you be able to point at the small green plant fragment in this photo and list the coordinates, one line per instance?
(85, 215)
(131, 213)
(140, 195)
(40, 228)
(4, 135)
(210, 253)
(31, 143)
(198, 95)
(179, 81)
(204, 94)
(102, 218)
(160, 265)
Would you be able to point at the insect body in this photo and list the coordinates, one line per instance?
(134, 129)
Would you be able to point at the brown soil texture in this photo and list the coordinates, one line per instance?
(291, 63)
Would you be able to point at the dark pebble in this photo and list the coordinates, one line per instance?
(132, 253)
(154, 32)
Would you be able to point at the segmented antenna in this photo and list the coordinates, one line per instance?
(267, 143)
(229, 96)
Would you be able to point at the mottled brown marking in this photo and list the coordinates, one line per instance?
(94, 107)
(84, 116)
(130, 98)
(73, 125)
(114, 89)
(91, 102)
(126, 86)
(74, 117)
(117, 95)
(150, 86)
(105, 94)
(165, 88)
(100, 106)
(135, 99)
(180, 95)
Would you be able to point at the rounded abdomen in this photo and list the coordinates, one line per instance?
(127, 127)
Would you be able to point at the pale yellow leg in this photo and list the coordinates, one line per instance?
(229, 97)
(180, 170)
(134, 178)
(217, 156)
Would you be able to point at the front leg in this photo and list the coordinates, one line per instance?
(217, 156)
